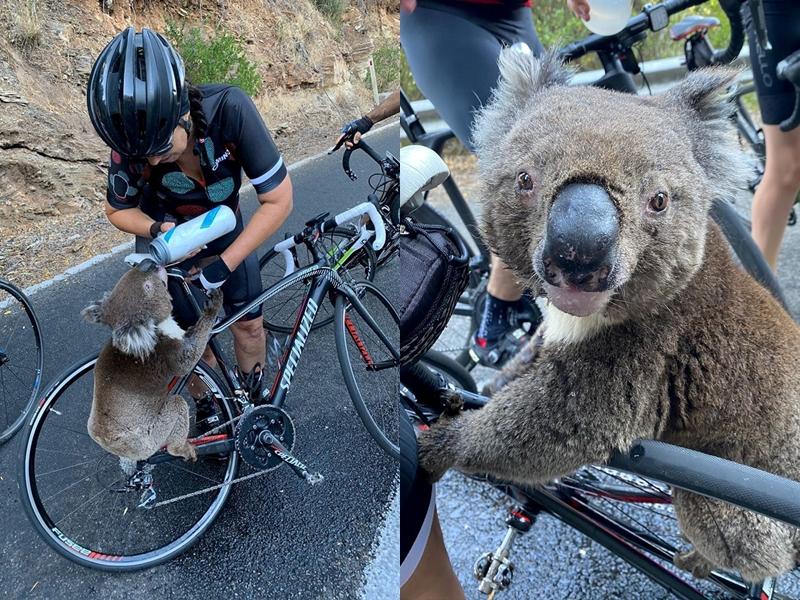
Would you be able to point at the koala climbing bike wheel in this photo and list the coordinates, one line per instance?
(280, 311)
(89, 505)
(21, 359)
(369, 364)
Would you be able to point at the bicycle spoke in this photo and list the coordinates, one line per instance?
(185, 470)
(86, 462)
(92, 499)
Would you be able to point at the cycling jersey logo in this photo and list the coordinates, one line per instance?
(214, 162)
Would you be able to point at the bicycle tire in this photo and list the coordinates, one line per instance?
(346, 337)
(745, 248)
(280, 311)
(6, 362)
(451, 369)
(44, 523)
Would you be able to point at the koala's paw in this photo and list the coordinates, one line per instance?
(435, 453)
(214, 302)
(452, 401)
(185, 451)
(694, 562)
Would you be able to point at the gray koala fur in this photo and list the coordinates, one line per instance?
(689, 349)
(133, 413)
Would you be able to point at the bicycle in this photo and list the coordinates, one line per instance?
(21, 359)
(122, 516)
(361, 262)
(619, 64)
(622, 505)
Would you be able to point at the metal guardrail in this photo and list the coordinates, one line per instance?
(661, 74)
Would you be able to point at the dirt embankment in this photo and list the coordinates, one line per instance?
(52, 164)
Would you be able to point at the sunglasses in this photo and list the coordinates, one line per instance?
(167, 148)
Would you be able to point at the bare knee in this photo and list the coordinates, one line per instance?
(250, 334)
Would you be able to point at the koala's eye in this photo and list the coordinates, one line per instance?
(524, 181)
(658, 202)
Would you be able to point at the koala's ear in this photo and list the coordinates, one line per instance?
(701, 93)
(137, 338)
(715, 147)
(94, 312)
(521, 76)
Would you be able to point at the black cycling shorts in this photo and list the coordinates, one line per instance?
(452, 50)
(243, 286)
(417, 503)
(776, 97)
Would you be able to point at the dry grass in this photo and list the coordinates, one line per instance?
(25, 23)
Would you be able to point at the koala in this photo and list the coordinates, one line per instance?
(133, 413)
(600, 201)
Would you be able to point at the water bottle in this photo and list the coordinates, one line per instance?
(180, 241)
(607, 17)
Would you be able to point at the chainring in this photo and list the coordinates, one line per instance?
(263, 418)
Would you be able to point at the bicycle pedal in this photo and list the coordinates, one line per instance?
(313, 478)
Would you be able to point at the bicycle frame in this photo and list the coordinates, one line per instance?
(326, 281)
(676, 466)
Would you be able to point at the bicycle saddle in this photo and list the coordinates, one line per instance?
(422, 170)
(690, 25)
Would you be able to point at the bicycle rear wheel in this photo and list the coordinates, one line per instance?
(369, 354)
(84, 501)
(21, 359)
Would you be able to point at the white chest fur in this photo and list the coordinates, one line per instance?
(561, 327)
(169, 328)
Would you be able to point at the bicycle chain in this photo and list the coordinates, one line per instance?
(221, 485)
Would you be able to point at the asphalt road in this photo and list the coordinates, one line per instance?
(553, 560)
(277, 537)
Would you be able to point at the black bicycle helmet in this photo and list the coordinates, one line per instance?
(136, 93)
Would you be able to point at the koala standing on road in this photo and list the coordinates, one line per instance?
(133, 412)
(600, 201)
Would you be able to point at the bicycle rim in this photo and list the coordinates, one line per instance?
(370, 367)
(280, 311)
(71, 488)
(21, 359)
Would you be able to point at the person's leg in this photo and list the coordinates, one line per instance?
(433, 579)
(249, 343)
(776, 194)
(452, 53)
(249, 336)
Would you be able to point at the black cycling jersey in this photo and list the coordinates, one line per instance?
(236, 139)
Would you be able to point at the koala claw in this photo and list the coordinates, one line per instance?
(694, 562)
(452, 401)
(214, 302)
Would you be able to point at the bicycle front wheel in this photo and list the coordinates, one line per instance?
(368, 344)
(87, 503)
(280, 311)
(21, 359)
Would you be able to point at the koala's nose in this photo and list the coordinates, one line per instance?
(580, 243)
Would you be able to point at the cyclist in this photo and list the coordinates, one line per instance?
(452, 49)
(178, 150)
(780, 185)
(385, 109)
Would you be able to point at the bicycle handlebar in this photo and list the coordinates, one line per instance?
(364, 209)
(652, 18)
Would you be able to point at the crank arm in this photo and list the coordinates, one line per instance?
(298, 467)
